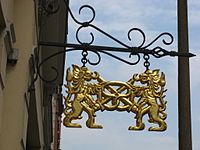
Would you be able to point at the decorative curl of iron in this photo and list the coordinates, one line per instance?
(49, 7)
(89, 24)
(39, 64)
(142, 48)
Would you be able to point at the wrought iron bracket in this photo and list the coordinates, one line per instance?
(136, 51)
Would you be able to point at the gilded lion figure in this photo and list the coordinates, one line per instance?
(142, 94)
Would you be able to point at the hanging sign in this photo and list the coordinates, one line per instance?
(141, 95)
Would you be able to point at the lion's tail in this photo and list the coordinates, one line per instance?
(162, 109)
(68, 107)
(164, 115)
(68, 104)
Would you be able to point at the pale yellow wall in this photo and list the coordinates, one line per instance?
(14, 80)
(14, 114)
(7, 8)
(1, 108)
(3, 59)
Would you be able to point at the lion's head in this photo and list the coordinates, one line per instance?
(80, 74)
(152, 77)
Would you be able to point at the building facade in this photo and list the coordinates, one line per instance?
(27, 119)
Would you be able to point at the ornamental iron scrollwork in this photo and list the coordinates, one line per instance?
(133, 51)
(48, 7)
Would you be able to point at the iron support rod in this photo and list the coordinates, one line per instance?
(184, 112)
(134, 50)
(78, 46)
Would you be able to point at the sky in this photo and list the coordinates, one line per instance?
(116, 17)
